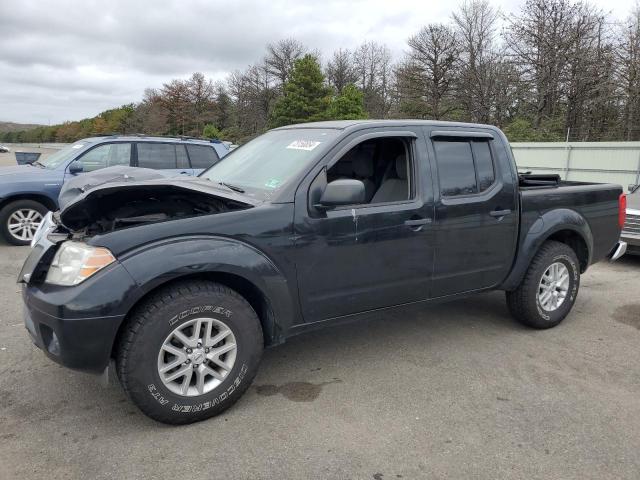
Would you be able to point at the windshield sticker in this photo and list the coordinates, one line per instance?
(273, 183)
(303, 145)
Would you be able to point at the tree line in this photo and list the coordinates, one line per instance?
(554, 70)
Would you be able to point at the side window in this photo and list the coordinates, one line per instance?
(159, 156)
(383, 165)
(484, 164)
(455, 168)
(107, 155)
(181, 157)
(465, 167)
(202, 156)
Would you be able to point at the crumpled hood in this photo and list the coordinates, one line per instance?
(92, 196)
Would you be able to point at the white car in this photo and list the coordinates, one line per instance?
(4, 149)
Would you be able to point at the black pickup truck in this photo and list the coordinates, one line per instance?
(182, 282)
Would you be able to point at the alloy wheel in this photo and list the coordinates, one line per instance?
(23, 223)
(197, 356)
(553, 287)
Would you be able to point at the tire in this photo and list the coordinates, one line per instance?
(148, 342)
(36, 213)
(526, 302)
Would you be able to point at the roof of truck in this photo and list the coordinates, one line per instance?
(343, 124)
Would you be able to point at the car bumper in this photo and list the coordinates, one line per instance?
(77, 326)
(633, 242)
(617, 251)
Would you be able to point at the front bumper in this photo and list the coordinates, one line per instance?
(77, 326)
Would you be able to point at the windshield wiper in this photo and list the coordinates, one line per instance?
(235, 188)
(38, 164)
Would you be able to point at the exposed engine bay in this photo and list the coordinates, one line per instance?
(113, 208)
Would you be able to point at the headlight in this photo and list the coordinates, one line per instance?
(76, 261)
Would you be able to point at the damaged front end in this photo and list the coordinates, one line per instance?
(60, 252)
(119, 202)
(111, 208)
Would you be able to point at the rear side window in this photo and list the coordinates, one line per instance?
(181, 156)
(455, 168)
(202, 156)
(465, 167)
(484, 164)
(158, 156)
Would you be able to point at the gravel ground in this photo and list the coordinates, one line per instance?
(449, 391)
(446, 391)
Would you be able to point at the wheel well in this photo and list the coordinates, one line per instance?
(43, 199)
(575, 241)
(252, 294)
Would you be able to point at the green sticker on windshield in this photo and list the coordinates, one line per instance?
(272, 183)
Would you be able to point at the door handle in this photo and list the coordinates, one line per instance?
(417, 223)
(499, 213)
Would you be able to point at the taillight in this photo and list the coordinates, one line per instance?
(622, 212)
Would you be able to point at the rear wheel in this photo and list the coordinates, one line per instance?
(189, 352)
(20, 219)
(549, 288)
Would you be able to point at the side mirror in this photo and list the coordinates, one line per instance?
(341, 192)
(76, 167)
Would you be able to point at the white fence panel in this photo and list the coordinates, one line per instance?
(607, 162)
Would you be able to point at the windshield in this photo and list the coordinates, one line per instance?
(268, 162)
(61, 156)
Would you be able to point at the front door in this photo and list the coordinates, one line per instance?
(475, 213)
(102, 156)
(375, 254)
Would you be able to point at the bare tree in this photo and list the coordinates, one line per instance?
(427, 76)
(281, 56)
(628, 75)
(340, 69)
(224, 109)
(372, 63)
(200, 93)
(540, 43)
(475, 24)
(253, 95)
(174, 98)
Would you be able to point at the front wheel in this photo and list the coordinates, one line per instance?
(549, 288)
(20, 219)
(189, 352)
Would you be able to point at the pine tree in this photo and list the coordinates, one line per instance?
(306, 97)
(349, 105)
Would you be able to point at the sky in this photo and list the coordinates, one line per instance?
(63, 60)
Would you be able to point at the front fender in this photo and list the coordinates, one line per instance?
(46, 192)
(158, 263)
(542, 228)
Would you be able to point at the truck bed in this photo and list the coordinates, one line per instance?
(597, 203)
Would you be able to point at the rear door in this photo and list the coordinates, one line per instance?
(475, 210)
(201, 157)
(170, 159)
